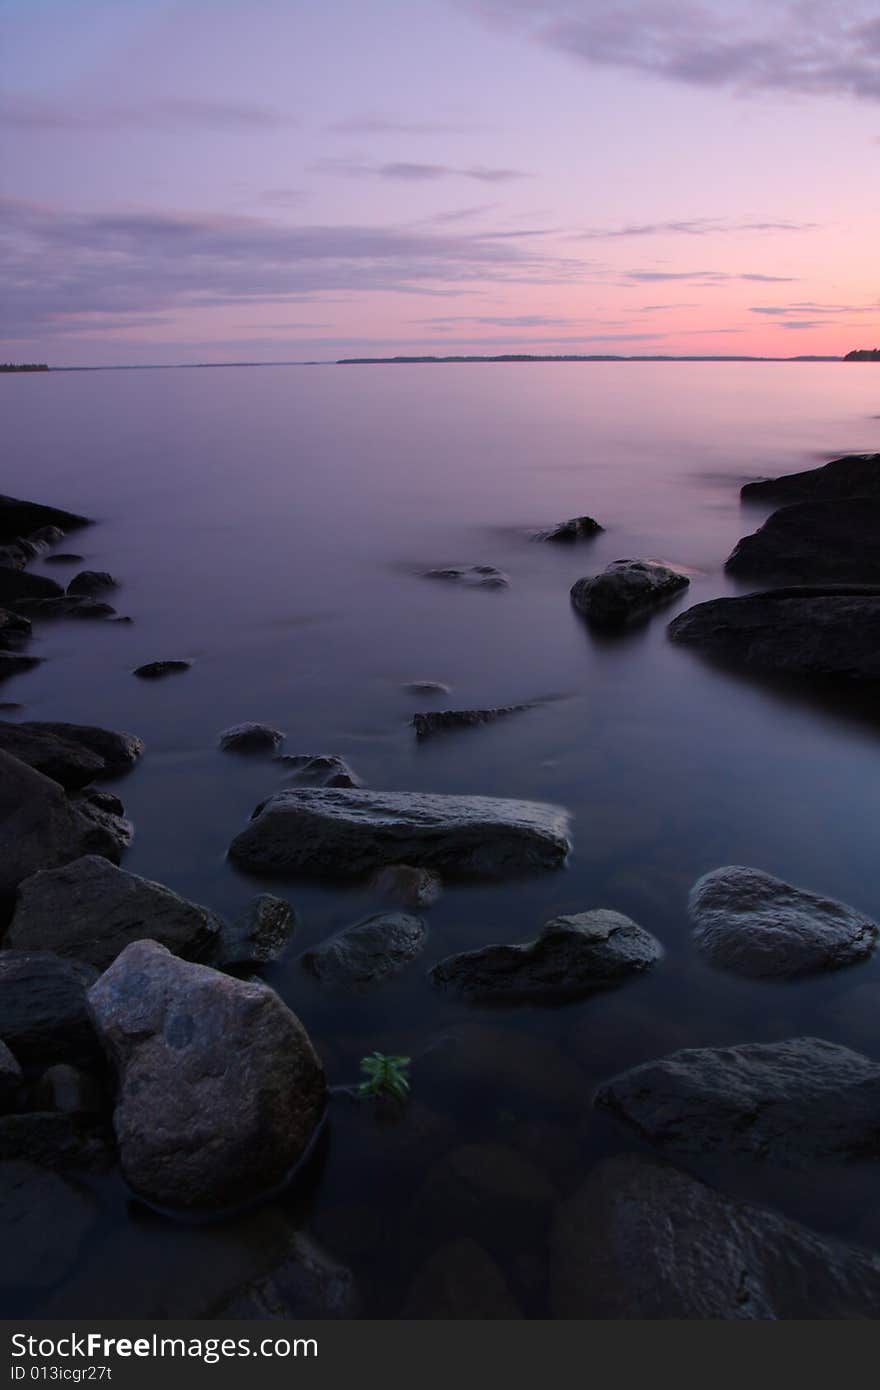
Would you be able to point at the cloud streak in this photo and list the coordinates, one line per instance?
(412, 172)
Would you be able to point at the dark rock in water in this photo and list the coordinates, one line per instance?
(91, 582)
(45, 536)
(753, 924)
(343, 834)
(474, 576)
(117, 751)
(68, 1090)
(370, 952)
(14, 664)
(18, 518)
(308, 1283)
(576, 529)
(14, 629)
(460, 1280)
(625, 590)
(258, 936)
(320, 769)
(804, 632)
(572, 957)
(220, 1090)
(426, 688)
(407, 885)
(15, 556)
(90, 911)
(63, 558)
(11, 1079)
(154, 670)
(19, 585)
(813, 543)
(251, 738)
(70, 764)
(43, 1012)
(643, 1240)
(857, 475)
(43, 1223)
(56, 1140)
(40, 828)
(106, 814)
(441, 721)
(480, 1189)
(784, 1102)
(67, 606)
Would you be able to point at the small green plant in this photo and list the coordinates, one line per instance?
(385, 1076)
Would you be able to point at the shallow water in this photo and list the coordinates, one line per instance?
(271, 524)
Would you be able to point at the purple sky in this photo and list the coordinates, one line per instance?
(216, 180)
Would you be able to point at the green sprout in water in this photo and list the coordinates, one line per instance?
(385, 1076)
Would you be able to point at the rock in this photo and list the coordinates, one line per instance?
(813, 543)
(444, 720)
(407, 885)
(258, 936)
(474, 576)
(625, 590)
(103, 810)
(90, 911)
(12, 664)
(89, 582)
(68, 1090)
(19, 585)
(857, 475)
(576, 529)
(18, 518)
(478, 1190)
(785, 1102)
(307, 1284)
(67, 606)
(43, 1223)
(572, 957)
(642, 1240)
(753, 924)
(154, 670)
(426, 688)
(45, 536)
(56, 1140)
(344, 834)
(15, 556)
(43, 1010)
(460, 1280)
(11, 1078)
(70, 764)
(251, 738)
(40, 828)
(118, 751)
(369, 952)
(832, 632)
(519, 1070)
(67, 558)
(320, 769)
(14, 629)
(220, 1090)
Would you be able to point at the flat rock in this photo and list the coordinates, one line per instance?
(426, 688)
(369, 952)
(444, 721)
(473, 576)
(14, 628)
(407, 885)
(66, 606)
(785, 1102)
(14, 664)
(10, 1078)
(63, 558)
(18, 518)
(251, 738)
(43, 1223)
(856, 475)
(832, 542)
(643, 1240)
(754, 924)
(572, 957)
(626, 590)
(90, 911)
(43, 1011)
(220, 1090)
(89, 582)
(118, 751)
(460, 1280)
(577, 528)
(320, 769)
(347, 833)
(72, 765)
(258, 936)
(155, 670)
(17, 585)
(831, 632)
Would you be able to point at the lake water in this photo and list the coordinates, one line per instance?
(270, 524)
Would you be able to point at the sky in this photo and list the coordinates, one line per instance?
(228, 180)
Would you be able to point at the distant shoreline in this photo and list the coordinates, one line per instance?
(406, 361)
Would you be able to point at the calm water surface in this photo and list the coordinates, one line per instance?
(270, 524)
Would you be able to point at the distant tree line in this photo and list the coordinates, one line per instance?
(863, 355)
(23, 367)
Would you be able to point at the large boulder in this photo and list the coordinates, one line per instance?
(572, 957)
(220, 1090)
(804, 632)
(754, 924)
(626, 590)
(369, 952)
(117, 751)
(643, 1240)
(91, 582)
(18, 518)
(43, 1223)
(43, 1010)
(70, 764)
(785, 1102)
(577, 528)
(251, 737)
(813, 543)
(345, 833)
(857, 475)
(17, 586)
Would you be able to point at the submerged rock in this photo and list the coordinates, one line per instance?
(64, 558)
(408, 885)
(426, 688)
(625, 590)
(43, 1223)
(320, 769)
(43, 1012)
(344, 833)
(474, 576)
(754, 924)
(785, 1102)
(251, 738)
(856, 475)
(67, 606)
(14, 664)
(69, 1091)
(307, 1283)
(11, 1079)
(220, 1090)
(572, 957)
(577, 528)
(89, 582)
(90, 910)
(460, 1280)
(813, 543)
(258, 936)
(442, 721)
(56, 1140)
(643, 1240)
(155, 670)
(14, 629)
(19, 518)
(369, 952)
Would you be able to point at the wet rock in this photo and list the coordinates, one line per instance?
(473, 576)
(11, 1079)
(13, 664)
(70, 764)
(577, 528)
(251, 738)
(857, 475)
(68, 1090)
(43, 1009)
(344, 833)
(460, 1280)
(369, 952)
(56, 1140)
(14, 629)
(16, 556)
(480, 1189)
(320, 769)
(19, 518)
(754, 924)
(803, 632)
(626, 590)
(785, 1102)
(89, 582)
(66, 606)
(220, 1090)
(308, 1283)
(258, 936)
(813, 543)
(90, 911)
(642, 1240)
(63, 558)
(45, 536)
(572, 957)
(118, 751)
(19, 585)
(426, 688)
(155, 670)
(407, 885)
(105, 812)
(431, 722)
(43, 1223)
(511, 1067)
